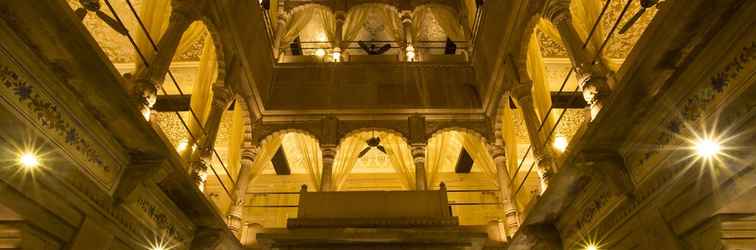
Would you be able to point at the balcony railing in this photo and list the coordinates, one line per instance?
(518, 180)
(224, 178)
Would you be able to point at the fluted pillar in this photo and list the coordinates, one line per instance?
(235, 214)
(148, 80)
(522, 92)
(418, 157)
(505, 189)
(593, 78)
(222, 97)
(326, 181)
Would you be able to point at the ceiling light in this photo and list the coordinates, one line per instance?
(320, 52)
(707, 148)
(410, 53)
(182, 145)
(560, 143)
(336, 55)
(28, 160)
(591, 247)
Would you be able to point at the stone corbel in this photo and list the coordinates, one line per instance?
(609, 168)
(142, 168)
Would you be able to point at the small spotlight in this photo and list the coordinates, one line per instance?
(320, 52)
(28, 160)
(591, 247)
(182, 145)
(336, 55)
(410, 53)
(560, 143)
(158, 248)
(707, 148)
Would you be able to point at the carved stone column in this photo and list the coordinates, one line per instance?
(522, 92)
(406, 17)
(409, 50)
(283, 19)
(505, 188)
(418, 156)
(593, 78)
(148, 80)
(340, 18)
(236, 211)
(222, 97)
(329, 154)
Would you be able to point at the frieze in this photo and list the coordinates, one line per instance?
(39, 107)
(156, 211)
(160, 218)
(693, 108)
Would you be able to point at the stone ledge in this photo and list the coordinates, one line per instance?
(372, 222)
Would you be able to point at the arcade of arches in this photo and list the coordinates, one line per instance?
(377, 124)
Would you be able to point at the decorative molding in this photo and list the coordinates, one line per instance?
(35, 104)
(157, 212)
(694, 106)
(372, 222)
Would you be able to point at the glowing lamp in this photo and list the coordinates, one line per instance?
(28, 160)
(336, 55)
(320, 52)
(560, 143)
(707, 148)
(182, 145)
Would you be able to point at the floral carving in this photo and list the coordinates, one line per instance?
(43, 111)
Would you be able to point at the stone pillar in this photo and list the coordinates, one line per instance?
(505, 188)
(326, 181)
(236, 211)
(340, 18)
(148, 80)
(409, 51)
(593, 78)
(522, 92)
(418, 156)
(283, 18)
(222, 97)
(406, 17)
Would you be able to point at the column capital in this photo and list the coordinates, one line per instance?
(181, 18)
(340, 16)
(222, 96)
(418, 152)
(497, 151)
(249, 153)
(558, 12)
(522, 92)
(329, 151)
(406, 16)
